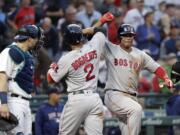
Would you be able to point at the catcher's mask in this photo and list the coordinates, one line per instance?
(31, 31)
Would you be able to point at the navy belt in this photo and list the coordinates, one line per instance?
(16, 95)
(132, 94)
(81, 92)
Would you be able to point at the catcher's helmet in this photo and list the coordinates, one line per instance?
(28, 31)
(125, 29)
(73, 34)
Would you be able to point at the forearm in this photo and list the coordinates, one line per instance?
(161, 73)
(3, 88)
(91, 29)
(3, 82)
(108, 17)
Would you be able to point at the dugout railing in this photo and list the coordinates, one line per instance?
(154, 112)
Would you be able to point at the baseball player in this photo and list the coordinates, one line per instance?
(80, 68)
(124, 63)
(16, 71)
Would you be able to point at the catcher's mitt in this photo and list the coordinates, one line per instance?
(8, 124)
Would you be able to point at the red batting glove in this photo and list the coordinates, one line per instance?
(107, 17)
(168, 83)
(54, 66)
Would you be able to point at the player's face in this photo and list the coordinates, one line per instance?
(32, 43)
(55, 97)
(127, 41)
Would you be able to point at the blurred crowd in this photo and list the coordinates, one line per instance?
(157, 24)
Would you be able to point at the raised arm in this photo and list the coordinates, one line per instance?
(107, 17)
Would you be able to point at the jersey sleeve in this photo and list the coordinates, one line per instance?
(107, 49)
(149, 63)
(6, 62)
(63, 68)
(98, 41)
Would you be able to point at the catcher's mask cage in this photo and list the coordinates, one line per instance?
(31, 31)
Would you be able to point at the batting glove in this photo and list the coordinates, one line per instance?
(54, 66)
(107, 17)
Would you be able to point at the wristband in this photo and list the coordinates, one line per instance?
(3, 97)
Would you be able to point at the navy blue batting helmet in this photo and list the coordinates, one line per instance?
(73, 34)
(28, 31)
(126, 29)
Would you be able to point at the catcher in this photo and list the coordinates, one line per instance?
(16, 75)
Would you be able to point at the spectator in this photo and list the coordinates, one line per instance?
(159, 12)
(70, 18)
(4, 41)
(106, 6)
(25, 14)
(51, 38)
(173, 109)
(165, 20)
(88, 15)
(134, 16)
(48, 115)
(169, 44)
(52, 9)
(3, 16)
(41, 68)
(148, 36)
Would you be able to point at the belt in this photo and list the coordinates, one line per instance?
(82, 92)
(16, 95)
(132, 94)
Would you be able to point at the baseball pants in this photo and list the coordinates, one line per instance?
(87, 108)
(127, 109)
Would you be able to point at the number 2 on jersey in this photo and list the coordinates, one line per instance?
(88, 69)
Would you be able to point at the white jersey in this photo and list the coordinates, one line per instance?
(134, 17)
(11, 69)
(81, 67)
(124, 68)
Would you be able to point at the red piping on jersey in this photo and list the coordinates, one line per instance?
(161, 73)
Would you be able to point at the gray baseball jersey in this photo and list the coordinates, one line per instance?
(81, 66)
(124, 67)
(123, 72)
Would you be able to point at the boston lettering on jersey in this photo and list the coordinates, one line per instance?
(126, 63)
(84, 59)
